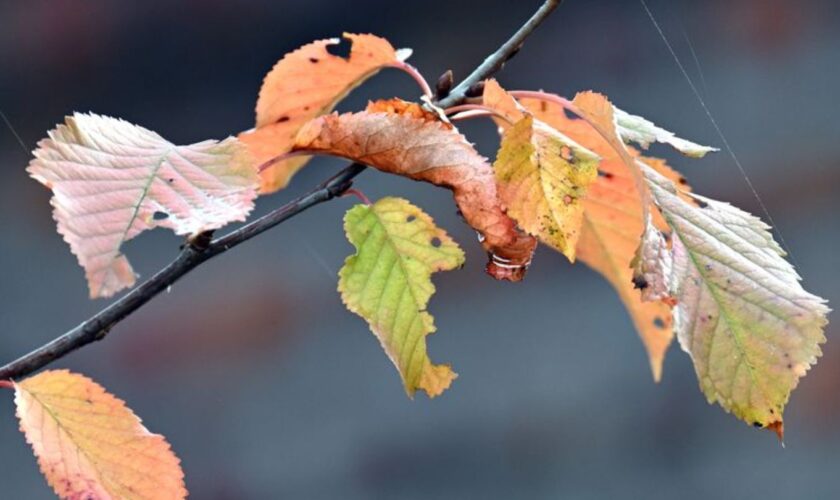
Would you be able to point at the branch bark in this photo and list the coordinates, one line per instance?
(203, 248)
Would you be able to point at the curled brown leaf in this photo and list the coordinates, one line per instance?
(402, 138)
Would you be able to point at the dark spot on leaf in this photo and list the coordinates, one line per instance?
(708, 267)
(701, 203)
(313, 60)
(639, 282)
(605, 175)
(410, 218)
(790, 366)
(306, 108)
(772, 412)
(543, 106)
(436, 242)
(757, 424)
(160, 215)
(658, 322)
(171, 180)
(283, 119)
(682, 180)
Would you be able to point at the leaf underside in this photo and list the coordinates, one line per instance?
(741, 313)
(112, 180)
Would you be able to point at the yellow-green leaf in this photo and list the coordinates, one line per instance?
(543, 176)
(90, 445)
(388, 283)
(741, 313)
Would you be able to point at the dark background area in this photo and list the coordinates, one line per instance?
(267, 388)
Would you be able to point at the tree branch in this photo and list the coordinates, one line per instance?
(202, 248)
(496, 60)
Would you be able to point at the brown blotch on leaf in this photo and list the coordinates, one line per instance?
(314, 60)
(283, 118)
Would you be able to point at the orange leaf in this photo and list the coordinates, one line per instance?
(613, 220)
(402, 138)
(304, 84)
(90, 445)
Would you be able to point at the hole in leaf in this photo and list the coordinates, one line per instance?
(410, 218)
(436, 242)
(340, 49)
(658, 322)
(160, 215)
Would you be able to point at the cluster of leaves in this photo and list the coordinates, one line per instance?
(570, 174)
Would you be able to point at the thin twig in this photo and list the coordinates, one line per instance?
(497, 59)
(199, 250)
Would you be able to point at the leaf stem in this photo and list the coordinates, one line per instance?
(482, 112)
(358, 194)
(417, 76)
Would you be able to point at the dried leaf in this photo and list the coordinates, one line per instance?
(742, 315)
(112, 180)
(388, 282)
(304, 84)
(90, 445)
(401, 138)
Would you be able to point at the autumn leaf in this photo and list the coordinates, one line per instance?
(388, 283)
(652, 263)
(612, 226)
(542, 175)
(90, 445)
(304, 84)
(401, 138)
(643, 132)
(749, 326)
(112, 180)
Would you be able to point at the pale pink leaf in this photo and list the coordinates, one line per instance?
(112, 180)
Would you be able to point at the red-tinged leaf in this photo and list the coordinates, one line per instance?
(90, 445)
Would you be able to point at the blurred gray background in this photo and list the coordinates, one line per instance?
(267, 388)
